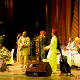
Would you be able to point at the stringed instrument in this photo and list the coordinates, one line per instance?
(64, 66)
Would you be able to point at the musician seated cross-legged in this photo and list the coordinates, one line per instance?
(71, 44)
(69, 47)
(5, 54)
(68, 50)
(76, 53)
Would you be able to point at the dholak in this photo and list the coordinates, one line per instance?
(2, 66)
(38, 69)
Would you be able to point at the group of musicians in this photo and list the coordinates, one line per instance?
(24, 44)
(73, 45)
(23, 48)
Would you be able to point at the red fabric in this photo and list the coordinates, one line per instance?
(41, 32)
(44, 33)
(54, 30)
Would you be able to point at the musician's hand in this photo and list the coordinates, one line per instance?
(20, 48)
(25, 46)
(45, 49)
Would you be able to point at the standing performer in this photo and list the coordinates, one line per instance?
(24, 48)
(52, 54)
(43, 42)
(18, 48)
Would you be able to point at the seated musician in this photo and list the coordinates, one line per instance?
(70, 46)
(5, 54)
(77, 44)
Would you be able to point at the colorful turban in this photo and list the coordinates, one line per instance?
(42, 32)
(54, 31)
(76, 38)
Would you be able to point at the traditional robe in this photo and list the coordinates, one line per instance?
(25, 51)
(52, 54)
(5, 54)
(70, 45)
(18, 51)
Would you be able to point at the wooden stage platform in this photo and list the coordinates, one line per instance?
(15, 72)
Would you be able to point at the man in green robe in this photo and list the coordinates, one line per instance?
(24, 43)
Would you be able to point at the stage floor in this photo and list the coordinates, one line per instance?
(15, 72)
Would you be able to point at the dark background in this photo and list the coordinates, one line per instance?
(28, 15)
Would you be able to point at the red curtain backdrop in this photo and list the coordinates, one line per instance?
(58, 19)
(79, 18)
(61, 19)
(75, 26)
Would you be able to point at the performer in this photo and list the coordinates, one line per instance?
(70, 47)
(18, 48)
(43, 42)
(52, 54)
(76, 44)
(19, 35)
(24, 48)
(5, 54)
(71, 43)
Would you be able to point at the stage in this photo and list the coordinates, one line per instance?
(15, 72)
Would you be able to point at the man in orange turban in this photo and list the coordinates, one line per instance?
(43, 41)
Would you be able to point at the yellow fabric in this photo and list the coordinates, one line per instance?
(25, 51)
(8, 62)
(24, 60)
(18, 54)
(25, 41)
(76, 38)
(5, 51)
(18, 51)
(52, 54)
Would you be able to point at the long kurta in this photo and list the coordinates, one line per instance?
(18, 52)
(25, 51)
(52, 54)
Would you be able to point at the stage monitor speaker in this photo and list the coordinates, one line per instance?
(2, 66)
(38, 69)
